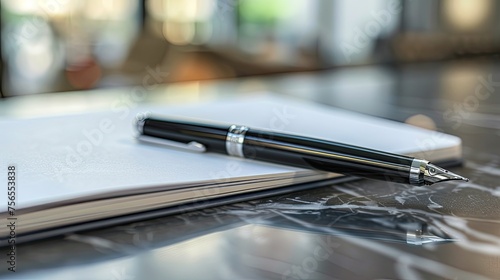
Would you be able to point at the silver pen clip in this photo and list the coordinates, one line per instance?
(192, 146)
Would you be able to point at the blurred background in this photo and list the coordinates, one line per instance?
(65, 45)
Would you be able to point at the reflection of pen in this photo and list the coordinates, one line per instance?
(299, 151)
(370, 226)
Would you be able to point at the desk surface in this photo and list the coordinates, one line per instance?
(293, 236)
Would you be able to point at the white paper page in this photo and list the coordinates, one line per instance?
(66, 157)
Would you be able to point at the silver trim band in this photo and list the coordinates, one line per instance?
(417, 171)
(234, 140)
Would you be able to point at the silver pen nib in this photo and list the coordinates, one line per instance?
(434, 174)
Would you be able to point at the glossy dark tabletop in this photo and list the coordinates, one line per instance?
(299, 235)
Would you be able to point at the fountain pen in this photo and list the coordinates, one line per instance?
(293, 150)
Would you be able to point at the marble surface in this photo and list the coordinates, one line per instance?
(354, 230)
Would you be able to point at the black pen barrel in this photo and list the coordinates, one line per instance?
(286, 149)
(212, 136)
(325, 155)
(280, 148)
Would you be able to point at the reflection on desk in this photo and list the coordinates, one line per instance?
(289, 239)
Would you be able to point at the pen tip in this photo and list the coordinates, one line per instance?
(434, 174)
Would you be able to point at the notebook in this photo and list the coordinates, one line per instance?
(82, 171)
